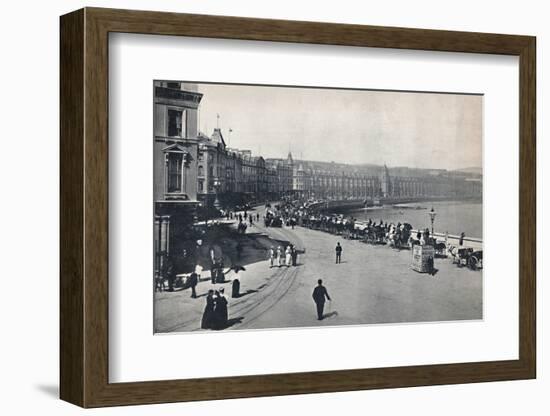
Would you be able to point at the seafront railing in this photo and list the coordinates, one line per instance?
(453, 240)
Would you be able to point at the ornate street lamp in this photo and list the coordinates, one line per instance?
(217, 185)
(432, 215)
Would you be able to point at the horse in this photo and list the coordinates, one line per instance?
(413, 242)
(440, 249)
(400, 236)
(460, 255)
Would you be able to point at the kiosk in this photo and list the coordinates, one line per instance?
(423, 258)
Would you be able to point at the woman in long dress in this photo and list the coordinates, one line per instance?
(220, 310)
(271, 257)
(288, 255)
(279, 256)
(208, 314)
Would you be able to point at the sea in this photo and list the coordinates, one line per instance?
(454, 217)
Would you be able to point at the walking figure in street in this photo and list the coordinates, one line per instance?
(288, 256)
(168, 271)
(235, 288)
(338, 250)
(271, 257)
(320, 294)
(208, 314)
(279, 256)
(220, 310)
(193, 281)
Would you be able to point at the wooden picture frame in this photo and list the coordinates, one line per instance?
(84, 207)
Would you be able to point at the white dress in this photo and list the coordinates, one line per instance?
(288, 257)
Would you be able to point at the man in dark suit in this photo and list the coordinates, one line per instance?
(338, 253)
(319, 295)
(193, 281)
(168, 272)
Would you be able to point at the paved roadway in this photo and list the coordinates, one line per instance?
(373, 284)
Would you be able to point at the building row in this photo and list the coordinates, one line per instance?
(193, 170)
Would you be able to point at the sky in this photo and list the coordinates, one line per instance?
(422, 130)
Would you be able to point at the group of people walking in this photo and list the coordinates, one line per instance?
(279, 257)
(215, 311)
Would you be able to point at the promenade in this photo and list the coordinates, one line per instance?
(373, 284)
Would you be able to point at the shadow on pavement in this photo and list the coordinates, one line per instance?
(248, 292)
(233, 321)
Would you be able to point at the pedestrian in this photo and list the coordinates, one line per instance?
(271, 256)
(294, 255)
(320, 294)
(208, 314)
(279, 256)
(338, 250)
(193, 281)
(461, 239)
(220, 310)
(426, 236)
(213, 272)
(168, 271)
(236, 287)
(288, 256)
(213, 265)
(431, 268)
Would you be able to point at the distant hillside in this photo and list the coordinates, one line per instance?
(474, 170)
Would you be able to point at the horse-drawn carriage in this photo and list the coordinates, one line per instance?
(375, 234)
(273, 221)
(467, 256)
(440, 248)
(399, 236)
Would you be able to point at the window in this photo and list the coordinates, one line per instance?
(201, 171)
(176, 126)
(174, 85)
(201, 186)
(175, 163)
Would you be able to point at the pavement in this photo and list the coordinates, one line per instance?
(372, 285)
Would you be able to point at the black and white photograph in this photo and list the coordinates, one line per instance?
(300, 207)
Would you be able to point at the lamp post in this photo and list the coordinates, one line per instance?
(432, 215)
(217, 185)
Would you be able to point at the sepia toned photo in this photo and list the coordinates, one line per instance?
(302, 207)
